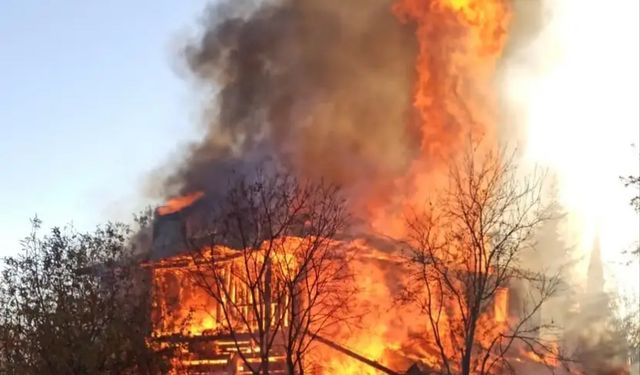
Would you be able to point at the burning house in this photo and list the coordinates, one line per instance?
(206, 309)
(375, 97)
(189, 319)
(213, 327)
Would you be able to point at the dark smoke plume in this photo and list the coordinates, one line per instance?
(321, 87)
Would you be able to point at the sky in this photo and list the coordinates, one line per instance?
(91, 101)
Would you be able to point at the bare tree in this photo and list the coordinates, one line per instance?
(634, 182)
(630, 323)
(269, 260)
(464, 256)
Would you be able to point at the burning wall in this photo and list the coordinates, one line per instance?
(385, 332)
(187, 319)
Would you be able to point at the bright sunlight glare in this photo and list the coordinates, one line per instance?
(583, 124)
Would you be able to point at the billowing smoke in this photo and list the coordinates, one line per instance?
(324, 89)
(321, 87)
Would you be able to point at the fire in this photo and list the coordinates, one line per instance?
(182, 309)
(460, 43)
(372, 348)
(372, 336)
(548, 358)
(179, 203)
(382, 332)
(501, 305)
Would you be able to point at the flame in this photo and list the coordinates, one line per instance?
(371, 336)
(383, 332)
(548, 358)
(183, 309)
(501, 305)
(373, 348)
(179, 203)
(460, 43)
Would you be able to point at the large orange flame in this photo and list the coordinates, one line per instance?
(460, 43)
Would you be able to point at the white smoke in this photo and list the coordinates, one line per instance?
(573, 89)
(576, 88)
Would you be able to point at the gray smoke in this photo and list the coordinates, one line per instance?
(321, 87)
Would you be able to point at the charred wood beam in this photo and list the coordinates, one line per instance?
(356, 356)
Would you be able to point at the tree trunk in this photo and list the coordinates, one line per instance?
(264, 351)
(468, 345)
(291, 366)
(290, 345)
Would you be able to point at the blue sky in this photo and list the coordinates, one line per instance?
(90, 103)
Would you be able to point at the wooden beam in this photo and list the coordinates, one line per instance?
(357, 356)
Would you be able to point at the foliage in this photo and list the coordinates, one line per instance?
(634, 182)
(75, 303)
